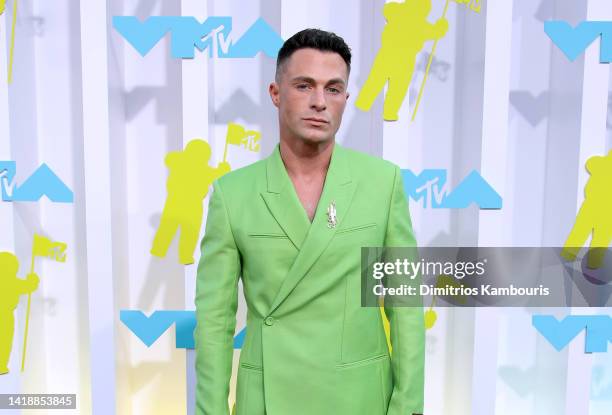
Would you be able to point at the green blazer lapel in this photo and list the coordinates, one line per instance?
(338, 188)
(282, 200)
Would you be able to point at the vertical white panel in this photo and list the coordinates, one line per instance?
(436, 113)
(401, 143)
(195, 81)
(94, 53)
(7, 230)
(195, 98)
(594, 99)
(152, 127)
(493, 168)
(579, 368)
(484, 371)
(7, 236)
(592, 143)
(299, 15)
(119, 194)
(495, 116)
(24, 150)
(58, 290)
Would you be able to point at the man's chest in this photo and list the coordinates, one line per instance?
(309, 194)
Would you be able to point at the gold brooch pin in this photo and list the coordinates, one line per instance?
(331, 215)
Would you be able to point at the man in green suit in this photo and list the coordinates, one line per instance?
(291, 227)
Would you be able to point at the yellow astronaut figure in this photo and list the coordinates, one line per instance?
(403, 37)
(11, 288)
(594, 215)
(188, 182)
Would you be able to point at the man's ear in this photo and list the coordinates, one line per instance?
(274, 93)
(348, 94)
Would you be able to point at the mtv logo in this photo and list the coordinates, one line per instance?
(43, 182)
(431, 186)
(149, 329)
(598, 331)
(573, 42)
(214, 34)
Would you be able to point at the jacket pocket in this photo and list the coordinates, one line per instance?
(250, 366)
(268, 235)
(356, 228)
(363, 362)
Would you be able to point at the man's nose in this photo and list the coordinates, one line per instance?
(317, 99)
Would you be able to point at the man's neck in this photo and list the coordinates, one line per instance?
(305, 160)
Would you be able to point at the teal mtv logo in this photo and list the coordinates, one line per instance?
(187, 34)
(598, 330)
(574, 41)
(432, 188)
(43, 182)
(150, 329)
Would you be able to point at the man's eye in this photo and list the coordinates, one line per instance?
(302, 86)
(333, 90)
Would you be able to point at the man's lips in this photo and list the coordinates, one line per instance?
(316, 120)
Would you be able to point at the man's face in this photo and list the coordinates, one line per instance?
(310, 94)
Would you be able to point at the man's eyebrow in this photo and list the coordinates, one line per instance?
(303, 79)
(336, 81)
(312, 81)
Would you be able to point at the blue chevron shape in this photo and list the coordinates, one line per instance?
(260, 37)
(574, 41)
(561, 332)
(187, 33)
(473, 189)
(143, 36)
(150, 329)
(43, 183)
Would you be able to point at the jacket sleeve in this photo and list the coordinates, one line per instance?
(216, 304)
(407, 324)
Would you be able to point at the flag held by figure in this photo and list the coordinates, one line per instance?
(45, 248)
(239, 136)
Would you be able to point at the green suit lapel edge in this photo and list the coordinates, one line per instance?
(311, 239)
(283, 202)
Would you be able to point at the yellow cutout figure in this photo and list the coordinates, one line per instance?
(594, 217)
(11, 288)
(2, 6)
(403, 37)
(189, 178)
(444, 281)
(386, 326)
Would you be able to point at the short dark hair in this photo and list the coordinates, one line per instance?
(314, 39)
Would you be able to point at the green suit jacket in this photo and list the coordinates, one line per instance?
(310, 348)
